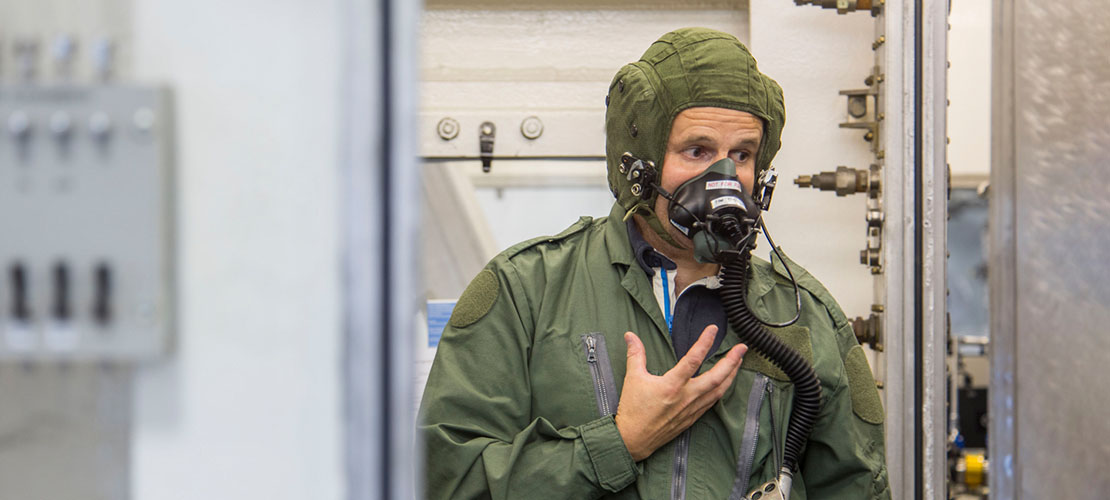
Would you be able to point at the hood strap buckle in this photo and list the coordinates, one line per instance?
(766, 187)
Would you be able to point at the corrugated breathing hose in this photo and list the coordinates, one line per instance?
(807, 389)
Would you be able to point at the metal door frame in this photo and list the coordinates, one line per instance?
(915, 204)
(381, 223)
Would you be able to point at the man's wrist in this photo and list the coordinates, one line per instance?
(630, 442)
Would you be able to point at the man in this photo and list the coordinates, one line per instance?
(523, 399)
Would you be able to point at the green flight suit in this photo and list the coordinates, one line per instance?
(520, 398)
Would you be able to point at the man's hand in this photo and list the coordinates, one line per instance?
(653, 410)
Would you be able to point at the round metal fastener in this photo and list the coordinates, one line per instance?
(143, 119)
(19, 124)
(531, 127)
(636, 189)
(447, 128)
(634, 131)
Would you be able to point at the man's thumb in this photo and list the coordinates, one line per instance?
(637, 361)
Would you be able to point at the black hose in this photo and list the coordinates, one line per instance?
(807, 389)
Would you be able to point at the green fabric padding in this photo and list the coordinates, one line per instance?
(686, 68)
(794, 336)
(865, 396)
(476, 300)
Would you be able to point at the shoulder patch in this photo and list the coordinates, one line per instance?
(796, 337)
(476, 300)
(865, 396)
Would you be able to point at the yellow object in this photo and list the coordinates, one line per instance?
(974, 475)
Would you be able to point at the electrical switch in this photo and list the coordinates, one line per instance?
(17, 276)
(61, 308)
(61, 125)
(100, 126)
(102, 295)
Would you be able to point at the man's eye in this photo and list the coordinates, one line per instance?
(743, 156)
(695, 151)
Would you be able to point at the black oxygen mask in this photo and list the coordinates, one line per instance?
(716, 212)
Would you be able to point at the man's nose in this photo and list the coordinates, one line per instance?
(719, 156)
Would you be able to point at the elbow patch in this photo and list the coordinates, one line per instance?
(865, 396)
(476, 300)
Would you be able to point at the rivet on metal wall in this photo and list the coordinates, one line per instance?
(143, 119)
(531, 127)
(447, 128)
(19, 125)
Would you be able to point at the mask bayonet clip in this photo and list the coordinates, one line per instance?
(767, 181)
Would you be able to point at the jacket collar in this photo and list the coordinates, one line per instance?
(626, 246)
(616, 237)
(645, 254)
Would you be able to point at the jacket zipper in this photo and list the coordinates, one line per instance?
(602, 373)
(760, 389)
(774, 433)
(681, 454)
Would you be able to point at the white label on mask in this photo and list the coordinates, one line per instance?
(725, 184)
(727, 200)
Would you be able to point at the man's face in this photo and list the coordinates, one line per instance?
(699, 138)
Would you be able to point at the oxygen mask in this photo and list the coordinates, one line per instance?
(716, 212)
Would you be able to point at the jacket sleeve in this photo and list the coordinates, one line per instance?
(480, 437)
(844, 458)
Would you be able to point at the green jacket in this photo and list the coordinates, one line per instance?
(527, 376)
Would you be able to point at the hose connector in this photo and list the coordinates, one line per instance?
(777, 489)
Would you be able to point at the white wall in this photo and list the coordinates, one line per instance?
(969, 87)
(544, 61)
(248, 405)
(814, 53)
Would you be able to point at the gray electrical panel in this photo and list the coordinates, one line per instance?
(86, 222)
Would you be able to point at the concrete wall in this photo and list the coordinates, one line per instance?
(248, 405)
